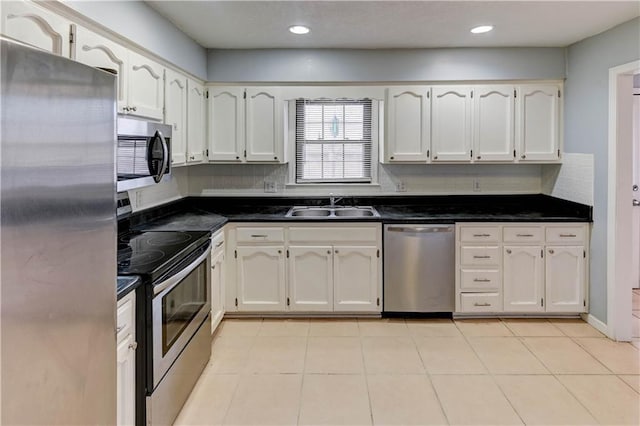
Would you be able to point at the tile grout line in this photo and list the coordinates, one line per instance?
(304, 372)
(466, 338)
(429, 377)
(366, 373)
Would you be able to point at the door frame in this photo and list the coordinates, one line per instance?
(619, 217)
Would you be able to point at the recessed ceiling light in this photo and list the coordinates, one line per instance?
(299, 29)
(482, 29)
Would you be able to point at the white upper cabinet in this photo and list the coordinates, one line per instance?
(146, 87)
(196, 122)
(175, 115)
(493, 123)
(538, 117)
(97, 51)
(451, 123)
(264, 125)
(37, 27)
(226, 124)
(246, 125)
(408, 124)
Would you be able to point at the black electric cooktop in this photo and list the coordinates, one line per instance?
(152, 253)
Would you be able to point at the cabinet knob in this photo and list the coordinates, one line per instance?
(478, 157)
(279, 251)
(328, 251)
(435, 157)
(134, 109)
(237, 157)
(551, 251)
(508, 251)
(337, 252)
(391, 158)
(523, 156)
(133, 346)
(126, 108)
(275, 158)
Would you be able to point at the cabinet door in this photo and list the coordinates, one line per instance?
(195, 118)
(523, 279)
(311, 278)
(260, 278)
(451, 125)
(175, 115)
(100, 52)
(538, 117)
(126, 382)
(264, 125)
(409, 124)
(146, 88)
(493, 130)
(564, 273)
(355, 270)
(226, 124)
(217, 289)
(37, 27)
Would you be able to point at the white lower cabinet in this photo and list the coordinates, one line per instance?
(260, 276)
(333, 268)
(523, 279)
(126, 361)
(356, 278)
(311, 278)
(543, 268)
(217, 279)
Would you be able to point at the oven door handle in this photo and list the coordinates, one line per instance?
(174, 280)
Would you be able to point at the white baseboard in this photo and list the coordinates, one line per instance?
(596, 323)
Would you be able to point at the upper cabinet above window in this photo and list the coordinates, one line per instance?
(473, 124)
(30, 24)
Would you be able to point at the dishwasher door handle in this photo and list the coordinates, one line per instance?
(420, 229)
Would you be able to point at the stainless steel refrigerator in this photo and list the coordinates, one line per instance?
(57, 240)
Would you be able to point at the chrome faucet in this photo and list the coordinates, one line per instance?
(333, 200)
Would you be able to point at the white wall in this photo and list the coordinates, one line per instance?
(586, 129)
(344, 65)
(144, 26)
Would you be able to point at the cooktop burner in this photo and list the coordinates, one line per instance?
(152, 253)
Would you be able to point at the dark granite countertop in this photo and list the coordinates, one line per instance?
(126, 285)
(211, 213)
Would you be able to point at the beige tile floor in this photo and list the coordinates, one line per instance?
(415, 372)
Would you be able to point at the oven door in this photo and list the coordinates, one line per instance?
(179, 306)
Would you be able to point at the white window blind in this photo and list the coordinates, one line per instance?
(333, 141)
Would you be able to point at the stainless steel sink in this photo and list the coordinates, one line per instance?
(332, 212)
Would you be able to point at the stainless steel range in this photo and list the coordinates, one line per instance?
(174, 305)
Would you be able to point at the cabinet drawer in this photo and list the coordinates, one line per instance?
(217, 241)
(480, 255)
(125, 318)
(260, 235)
(480, 302)
(522, 234)
(565, 234)
(333, 234)
(480, 234)
(480, 279)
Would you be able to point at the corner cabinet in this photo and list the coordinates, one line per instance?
(175, 115)
(126, 361)
(196, 105)
(521, 268)
(538, 123)
(305, 268)
(246, 125)
(30, 24)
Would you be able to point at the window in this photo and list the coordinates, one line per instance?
(333, 141)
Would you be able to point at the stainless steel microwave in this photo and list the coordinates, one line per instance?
(143, 153)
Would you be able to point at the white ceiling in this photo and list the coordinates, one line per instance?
(393, 24)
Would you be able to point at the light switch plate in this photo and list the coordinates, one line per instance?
(401, 187)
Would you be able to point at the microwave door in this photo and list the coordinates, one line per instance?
(157, 156)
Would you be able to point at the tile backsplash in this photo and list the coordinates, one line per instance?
(246, 179)
(573, 180)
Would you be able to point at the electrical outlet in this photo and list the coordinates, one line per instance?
(270, 186)
(401, 187)
(476, 185)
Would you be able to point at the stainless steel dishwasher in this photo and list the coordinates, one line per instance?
(419, 274)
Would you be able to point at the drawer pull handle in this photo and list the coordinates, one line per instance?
(567, 235)
(258, 236)
(481, 280)
(482, 257)
(220, 243)
(524, 235)
(481, 235)
(119, 329)
(481, 304)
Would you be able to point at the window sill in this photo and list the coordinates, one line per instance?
(332, 185)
